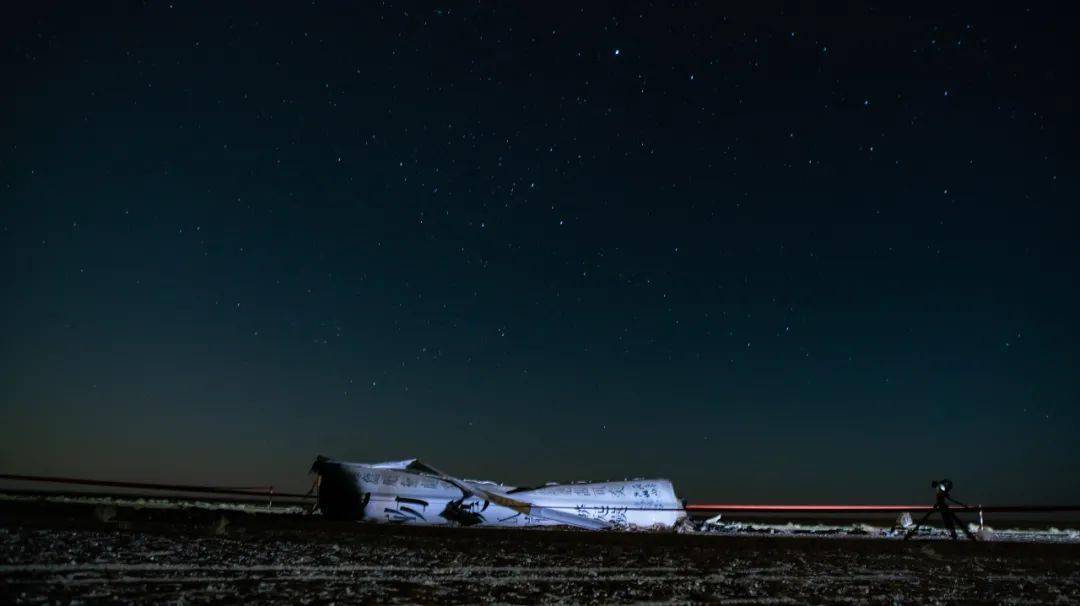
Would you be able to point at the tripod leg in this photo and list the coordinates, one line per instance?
(915, 529)
(947, 518)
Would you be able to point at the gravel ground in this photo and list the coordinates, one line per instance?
(93, 553)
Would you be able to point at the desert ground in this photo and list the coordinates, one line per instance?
(85, 552)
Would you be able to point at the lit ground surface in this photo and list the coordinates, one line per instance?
(61, 552)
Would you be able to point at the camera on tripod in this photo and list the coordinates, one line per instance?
(941, 485)
(941, 505)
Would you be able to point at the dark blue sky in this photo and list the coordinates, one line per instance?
(780, 256)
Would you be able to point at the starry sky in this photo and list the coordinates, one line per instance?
(787, 256)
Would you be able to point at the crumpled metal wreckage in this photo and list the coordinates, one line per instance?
(411, 492)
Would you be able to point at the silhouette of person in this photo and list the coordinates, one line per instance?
(941, 505)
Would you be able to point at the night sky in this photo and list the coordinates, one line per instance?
(774, 257)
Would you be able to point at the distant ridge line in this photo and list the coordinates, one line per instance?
(268, 491)
(807, 508)
(257, 491)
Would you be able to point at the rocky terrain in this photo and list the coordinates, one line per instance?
(83, 552)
